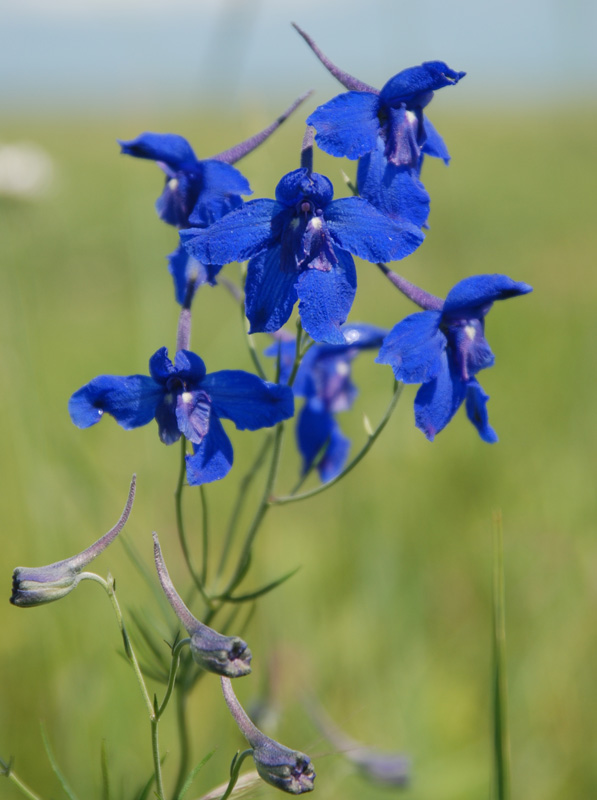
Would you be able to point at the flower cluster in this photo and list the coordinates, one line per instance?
(300, 247)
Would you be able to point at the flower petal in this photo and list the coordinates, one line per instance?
(212, 459)
(413, 84)
(189, 367)
(414, 348)
(179, 196)
(437, 401)
(348, 125)
(476, 409)
(221, 190)
(131, 400)
(193, 411)
(270, 291)
(434, 144)
(474, 295)
(355, 225)
(189, 274)
(248, 401)
(395, 191)
(170, 148)
(326, 299)
(335, 456)
(165, 416)
(160, 366)
(241, 234)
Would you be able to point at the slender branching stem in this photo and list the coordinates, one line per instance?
(176, 650)
(205, 533)
(234, 772)
(242, 494)
(180, 523)
(7, 771)
(293, 498)
(109, 587)
(183, 736)
(261, 509)
(250, 343)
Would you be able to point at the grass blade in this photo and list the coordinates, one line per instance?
(501, 739)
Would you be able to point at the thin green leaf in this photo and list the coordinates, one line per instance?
(144, 793)
(149, 638)
(105, 772)
(55, 768)
(193, 774)
(243, 598)
(501, 739)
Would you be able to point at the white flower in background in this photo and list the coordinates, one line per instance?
(26, 170)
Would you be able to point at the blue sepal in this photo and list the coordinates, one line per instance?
(348, 125)
(326, 299)
(168, 148)
(248, 401)
(131, 400)
(476, 409)
(212, 459)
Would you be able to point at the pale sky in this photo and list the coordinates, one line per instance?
(103, 53)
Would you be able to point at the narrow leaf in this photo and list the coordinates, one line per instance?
(105, 773)
(243, 598)
(55, 768)
(192, 775)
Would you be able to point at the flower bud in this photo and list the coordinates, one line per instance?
(214, 652)
(286, 769)
(34, 586)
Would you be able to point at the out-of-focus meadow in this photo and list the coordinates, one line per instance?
(388, 621)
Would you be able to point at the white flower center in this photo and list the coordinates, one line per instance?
(187, 397)
(470, 331)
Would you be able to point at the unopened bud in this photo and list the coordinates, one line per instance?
(214, 652)
(34, 586)
(286, 769)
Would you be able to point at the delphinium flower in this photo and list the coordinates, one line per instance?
(34, 586)
(386, 129)
(186, 401)
(197, 192)
(443, 348)
(299, 246)
(286, 769)
(224, 655)
(324, 380)
(388, 769)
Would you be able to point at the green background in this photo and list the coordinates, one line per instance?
(388, 622)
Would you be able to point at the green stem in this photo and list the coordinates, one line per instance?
(6, 770)
(234, 772)
(501, 739)
(183, 736)
(293, 498)
(176, 650)
(251, 345)
(155, 749)
(297, 355)
(242, 494)
(261, 509)
(205, 531)
(128, 648)
(180, 523)
(109, 587)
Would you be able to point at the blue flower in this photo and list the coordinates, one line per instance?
(444, 348)
(204, 190)
(197, 192)
(299, 247)
(387, 131)
(184, 400)
(324, 380)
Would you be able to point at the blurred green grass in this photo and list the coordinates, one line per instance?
(389, 620)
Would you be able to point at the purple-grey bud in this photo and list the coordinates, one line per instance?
(391, 769)
(286, 769)
(214, 652)
(34, 586)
